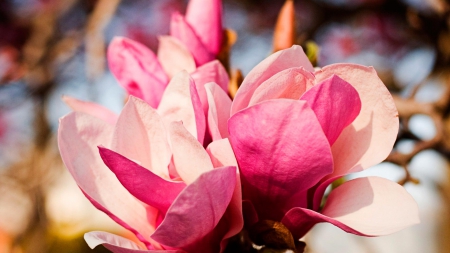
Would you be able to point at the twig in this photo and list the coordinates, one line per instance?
(437, 112)
(95, 39)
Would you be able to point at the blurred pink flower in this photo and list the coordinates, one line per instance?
(146, 75)
(150, 175)
(294, 130)
(9, 60)
(3, 125)
(193, 46)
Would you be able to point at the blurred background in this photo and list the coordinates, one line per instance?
(53, 47)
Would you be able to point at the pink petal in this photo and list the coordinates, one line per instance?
(221, 153)
(151, 214)
(181, 102)
(78, 137)
(140, 135)
(95, 238)
(137, 69)
(233, 215)
(90, 108)
(218, 111)
(205, 17)
(369, 206)
(279, 61)
(118, 244)
(189, 156)
(210, 72)
(300, 220)
(289, 83)
(181, 30)
(174, 56)
(281, 151)
(142, 183)
(197, 210)
(371, 136)
(336, 104)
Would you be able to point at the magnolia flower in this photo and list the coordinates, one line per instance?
(294, 130)
(146, 75)
(152, 176)
(193, 46)
(180, 102)
(150, 172)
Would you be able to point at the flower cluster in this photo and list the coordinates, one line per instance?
(270, 153)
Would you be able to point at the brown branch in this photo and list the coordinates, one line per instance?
(36, 49)
(436, 111)
(95, 39)
(408, 177)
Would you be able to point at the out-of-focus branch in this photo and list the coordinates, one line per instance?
(229, 39)
(235, 82)
(43, 27)
(95, 39)
(437, 112)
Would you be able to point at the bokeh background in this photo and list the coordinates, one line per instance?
(53, 47)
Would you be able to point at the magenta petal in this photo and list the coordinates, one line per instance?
(289, 83)
(336, 104)
(118, 244)
(300, 220)
(281, 151)
(218, 111)
(142, 183)
(279, 61)
(210, 72)
(197, 210)
(78, 137)
(90, 108)
(181, 30)
(137, 69)
(181, 102)
(369, 206)
(205, 17)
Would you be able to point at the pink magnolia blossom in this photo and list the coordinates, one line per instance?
(193, 46)
(180, 102)
(146, 75)
(294, 130)
(153, 177)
